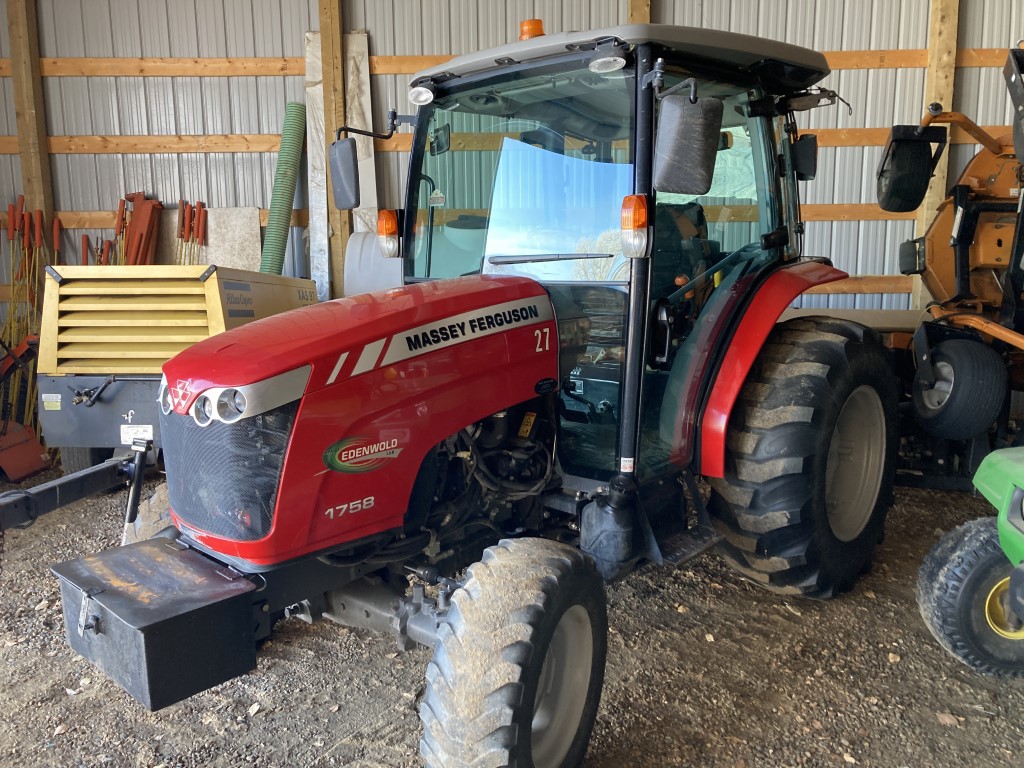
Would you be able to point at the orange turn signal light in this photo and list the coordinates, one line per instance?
(387, 223)
(634, 212)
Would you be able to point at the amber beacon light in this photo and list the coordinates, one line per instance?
(531, 28)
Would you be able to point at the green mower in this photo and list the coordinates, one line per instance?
(970, 588)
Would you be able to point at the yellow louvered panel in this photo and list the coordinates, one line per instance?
(86, 351)
(116, 316)
(140, 336)
(190, 302)
(107, 366)
(131, 288)
(106, 320)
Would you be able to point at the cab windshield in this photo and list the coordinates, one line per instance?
(525, 176)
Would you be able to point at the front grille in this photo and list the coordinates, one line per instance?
(223, 478)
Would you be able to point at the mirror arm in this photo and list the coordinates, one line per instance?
(394, 120)
(679, 86)
(656, 77)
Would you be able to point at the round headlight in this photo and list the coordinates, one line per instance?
(202, 411)
(230, 405)
(165, 400)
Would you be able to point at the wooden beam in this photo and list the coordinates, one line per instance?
(173, 67)
(892, 59)
(268, 66)
(981, 57)
(638, 11)
(300, 216)
(150, 145)
(866, 284)
(333, 56)
(106, 219)
(938, 87)
(29, 106)
(400, 142)
(404, 65)
(849, 212)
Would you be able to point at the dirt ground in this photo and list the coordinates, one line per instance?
(704, 669)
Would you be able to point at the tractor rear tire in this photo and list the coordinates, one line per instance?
(968, 391)
(76, 459)
(902, 184)
(961, 593)
(810, 458)
(519, 661)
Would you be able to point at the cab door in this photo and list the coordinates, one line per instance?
(708, 253)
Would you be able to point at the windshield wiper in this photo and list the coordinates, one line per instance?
(529, 258)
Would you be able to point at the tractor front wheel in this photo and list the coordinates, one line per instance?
(519, 661)
(963, 596)
(809, 459)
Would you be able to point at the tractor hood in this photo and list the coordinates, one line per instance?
(347, 337)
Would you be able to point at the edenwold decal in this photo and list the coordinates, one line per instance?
(360, 454)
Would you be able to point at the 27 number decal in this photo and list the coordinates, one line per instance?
(349, 508)
(543, 336)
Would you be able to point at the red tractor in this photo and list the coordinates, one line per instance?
(599, 234)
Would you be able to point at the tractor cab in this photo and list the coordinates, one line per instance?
(647, 179)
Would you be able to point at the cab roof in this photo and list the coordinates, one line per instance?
(779, 67)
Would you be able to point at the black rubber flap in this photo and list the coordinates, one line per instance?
(162, 621)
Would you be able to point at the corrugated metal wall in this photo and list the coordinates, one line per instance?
(10, 165)
(438, 27)
(162, 105)
(981, 93)
(421, 27)
(878, 98)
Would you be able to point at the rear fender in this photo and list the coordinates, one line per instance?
(771, 299)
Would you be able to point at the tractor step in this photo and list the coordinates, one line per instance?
(687, 545)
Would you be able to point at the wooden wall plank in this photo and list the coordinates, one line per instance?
(938, 87)
(300, 217)
(176, 144)
(638, 11)
(866, 284)
(980, 57)
(402, 142)
(106, 219)
(333, 61)
(406, 65)
(173, 67)
(892, 59)
(30, 106)
(849, 212)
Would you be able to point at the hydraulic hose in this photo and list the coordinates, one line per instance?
(286, 175)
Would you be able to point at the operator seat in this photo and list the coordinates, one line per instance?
(681, 245)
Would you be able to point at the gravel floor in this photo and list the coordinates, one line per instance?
(704, 670)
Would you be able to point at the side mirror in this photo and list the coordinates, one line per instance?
(440, 140)
(344, 174)
(905, 170)
(804, 153)
(688, 136)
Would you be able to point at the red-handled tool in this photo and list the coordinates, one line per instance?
(56, 239)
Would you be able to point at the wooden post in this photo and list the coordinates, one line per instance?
(332, 54)
(938, 87)
(638, 12)
(29, 106)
